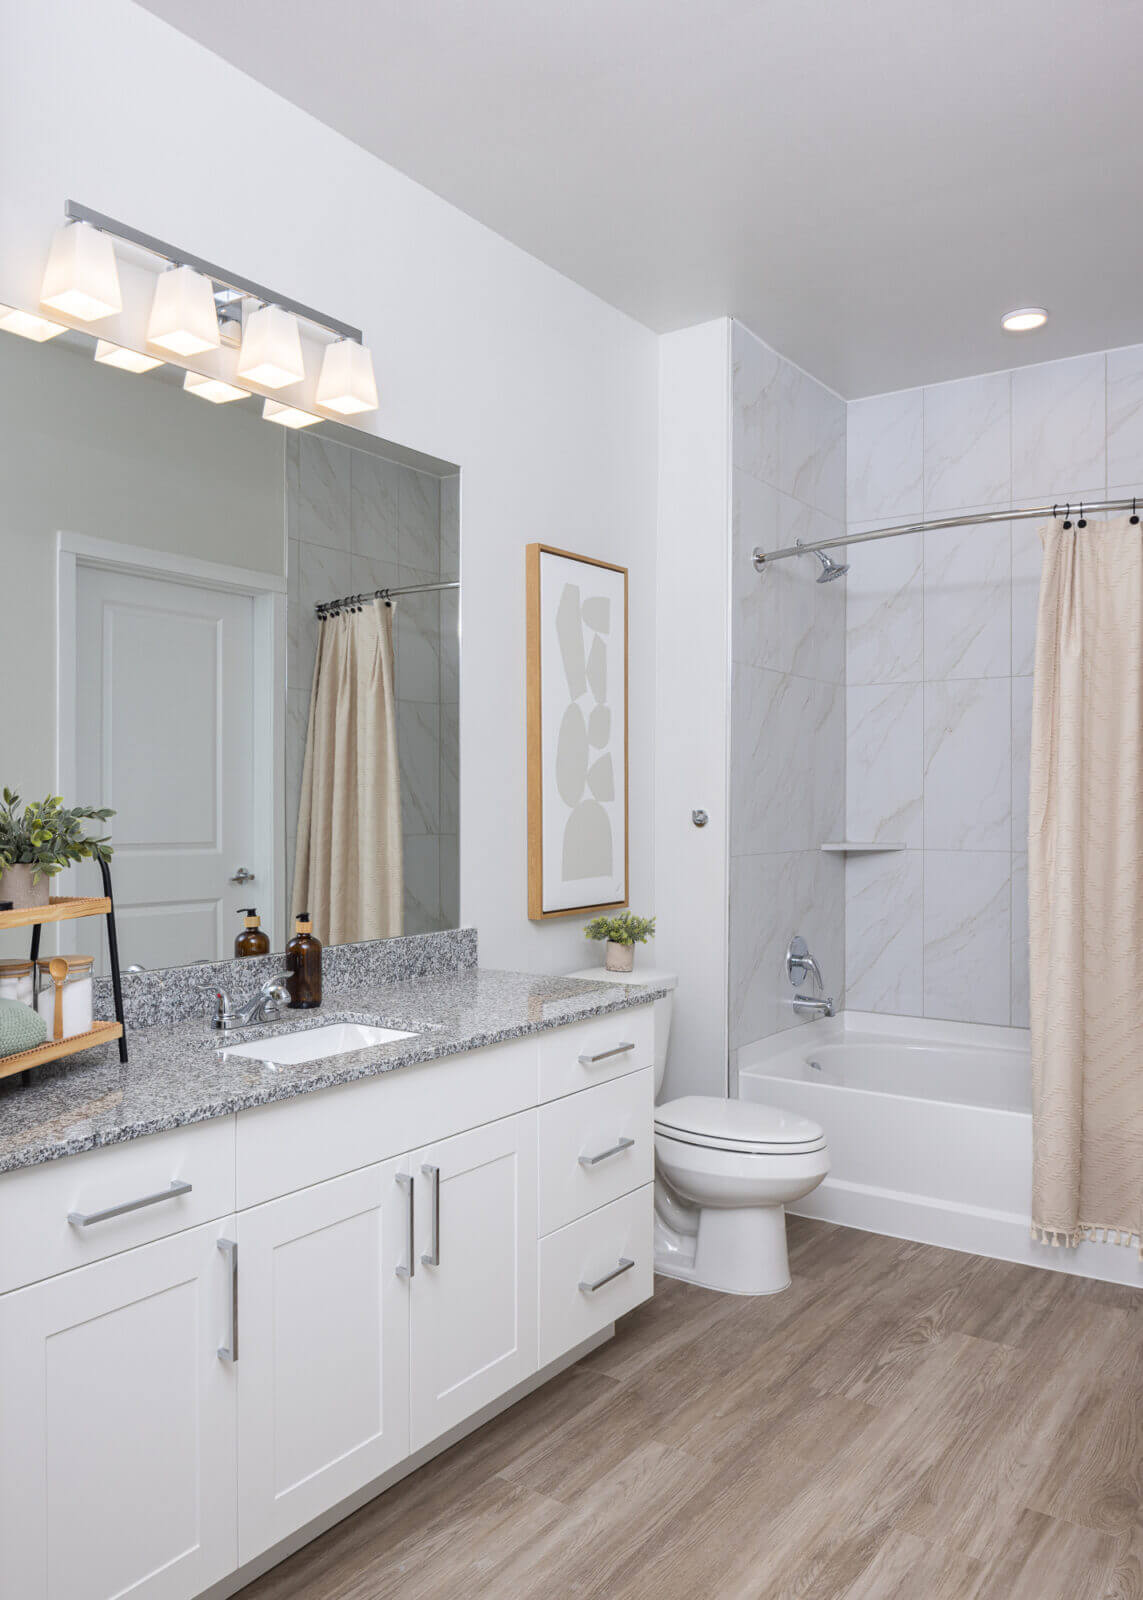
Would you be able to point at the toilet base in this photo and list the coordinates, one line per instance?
(737, 1251)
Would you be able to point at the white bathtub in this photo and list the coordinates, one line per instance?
(930, 1133)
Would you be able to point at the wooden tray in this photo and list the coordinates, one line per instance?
(101, 1033)
(60, 908)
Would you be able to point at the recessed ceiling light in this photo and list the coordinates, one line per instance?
(116, 355)
(28, 325)
(213, 389)
(1024, 320)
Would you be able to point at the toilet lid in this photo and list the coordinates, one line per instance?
(737, 1125)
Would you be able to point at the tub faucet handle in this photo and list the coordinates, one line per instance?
(800, 964)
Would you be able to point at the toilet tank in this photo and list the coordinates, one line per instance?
(663, 1007)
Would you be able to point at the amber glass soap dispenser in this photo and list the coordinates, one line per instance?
(253, 940)
(303, 958)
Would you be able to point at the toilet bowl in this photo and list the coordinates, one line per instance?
(724, 1171)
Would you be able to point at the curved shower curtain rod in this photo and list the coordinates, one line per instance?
(762, 558)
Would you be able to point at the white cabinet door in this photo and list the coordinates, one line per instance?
(323, 1371)
(117, 1427)
(474, 1307)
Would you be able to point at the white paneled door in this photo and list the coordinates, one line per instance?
(164, 735)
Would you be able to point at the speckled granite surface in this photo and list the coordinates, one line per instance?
(176, 1076)
(172, 994)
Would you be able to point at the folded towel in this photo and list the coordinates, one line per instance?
(21, 1028)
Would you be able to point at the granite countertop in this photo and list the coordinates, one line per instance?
(175, 1075)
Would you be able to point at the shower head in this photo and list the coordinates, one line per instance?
(830, 569)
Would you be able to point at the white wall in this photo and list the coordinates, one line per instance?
(544, 396)
(691, 723)
(941, 632)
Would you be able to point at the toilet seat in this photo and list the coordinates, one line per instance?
(740, 1127)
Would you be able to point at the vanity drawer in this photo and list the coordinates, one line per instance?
(595, 1146)
(38, 1241)
(578, 1294)
(585, 1053)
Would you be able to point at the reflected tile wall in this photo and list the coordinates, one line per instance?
(787, 735)
(940, 647)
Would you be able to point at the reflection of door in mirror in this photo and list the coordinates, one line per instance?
(164, 710)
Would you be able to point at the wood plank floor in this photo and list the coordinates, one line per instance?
(904, 1423)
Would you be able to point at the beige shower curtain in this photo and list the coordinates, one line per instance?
(348, 871)
(1085, 872)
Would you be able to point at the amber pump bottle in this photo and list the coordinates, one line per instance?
(303, 958)
(253, 940)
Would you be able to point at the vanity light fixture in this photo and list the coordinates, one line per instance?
(183, 317)
(117, 355)
(213, 389)
(346, 383)
(287, 416)
(28, 325)
(271, 349)
(1024, 320)
(81, 278)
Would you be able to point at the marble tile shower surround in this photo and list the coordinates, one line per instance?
(787, 726)
(940, 640)
(356, 522)
(176, 994)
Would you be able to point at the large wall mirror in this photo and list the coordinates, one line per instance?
(163, 559)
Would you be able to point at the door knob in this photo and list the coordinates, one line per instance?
(243, 875)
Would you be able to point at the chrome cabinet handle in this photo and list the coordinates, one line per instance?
(84, 1219)
(229, 1350)
(625, 1265)
(618, 1050)
(605, 1155)
(433, 1259)
(406, 1268)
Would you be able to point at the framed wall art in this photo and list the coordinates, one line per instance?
(577, 734)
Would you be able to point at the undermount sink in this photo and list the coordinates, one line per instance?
(312, 1044)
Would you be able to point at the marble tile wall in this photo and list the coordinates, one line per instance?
(358, 521)
(939, 654)
(787, 729)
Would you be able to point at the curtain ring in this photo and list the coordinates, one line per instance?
(1068, 515)
(1082, 523)
(1134, 513)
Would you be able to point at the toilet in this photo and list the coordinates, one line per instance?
(724, 1170)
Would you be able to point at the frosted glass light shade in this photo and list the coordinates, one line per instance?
(183, 315)
(346, 383)
(213, 389)
(81, 278)
(287, 416)
(117, 355)
(28, 325)
(271, 349)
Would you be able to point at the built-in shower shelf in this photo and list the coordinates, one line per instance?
(859, 847)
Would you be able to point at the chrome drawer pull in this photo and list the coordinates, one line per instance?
(84, 1219)
(406, 1268)
(433, 1259)
(605, 1155)
(617, 1050)
(625, 1265)
(229, 1350)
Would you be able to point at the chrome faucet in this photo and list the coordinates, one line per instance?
(800, 965)
(262, 1007)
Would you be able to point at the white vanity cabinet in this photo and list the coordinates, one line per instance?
(226, 1331)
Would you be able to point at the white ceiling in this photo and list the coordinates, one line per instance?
(867, 184)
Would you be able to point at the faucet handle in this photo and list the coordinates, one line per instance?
(221, 1008)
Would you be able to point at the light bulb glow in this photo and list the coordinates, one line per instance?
(183, 316)
(271, 349)
(28, 326)
(347, 384)
(287, 416)
(213, 389)
(81, 278)
(1024, 320)
(117, 355)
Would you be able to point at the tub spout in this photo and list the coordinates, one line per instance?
(810, 1005)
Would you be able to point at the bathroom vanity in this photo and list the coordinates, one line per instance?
(263, 1295)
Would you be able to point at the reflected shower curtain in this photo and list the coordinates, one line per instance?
(348, 872)
(1085, 873)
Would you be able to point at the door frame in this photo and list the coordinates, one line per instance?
(268, 592)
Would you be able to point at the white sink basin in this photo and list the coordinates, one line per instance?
(311, 1044)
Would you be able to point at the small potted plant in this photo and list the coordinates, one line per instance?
(622, 933)
(41, 841)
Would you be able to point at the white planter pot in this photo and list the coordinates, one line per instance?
(620, 957)
(16, 885)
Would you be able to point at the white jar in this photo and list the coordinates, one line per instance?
(17, 982)
(64, 997)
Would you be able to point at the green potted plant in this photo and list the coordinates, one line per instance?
(40, 841)
(623, 933)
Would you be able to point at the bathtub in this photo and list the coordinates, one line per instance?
(930, 1133)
